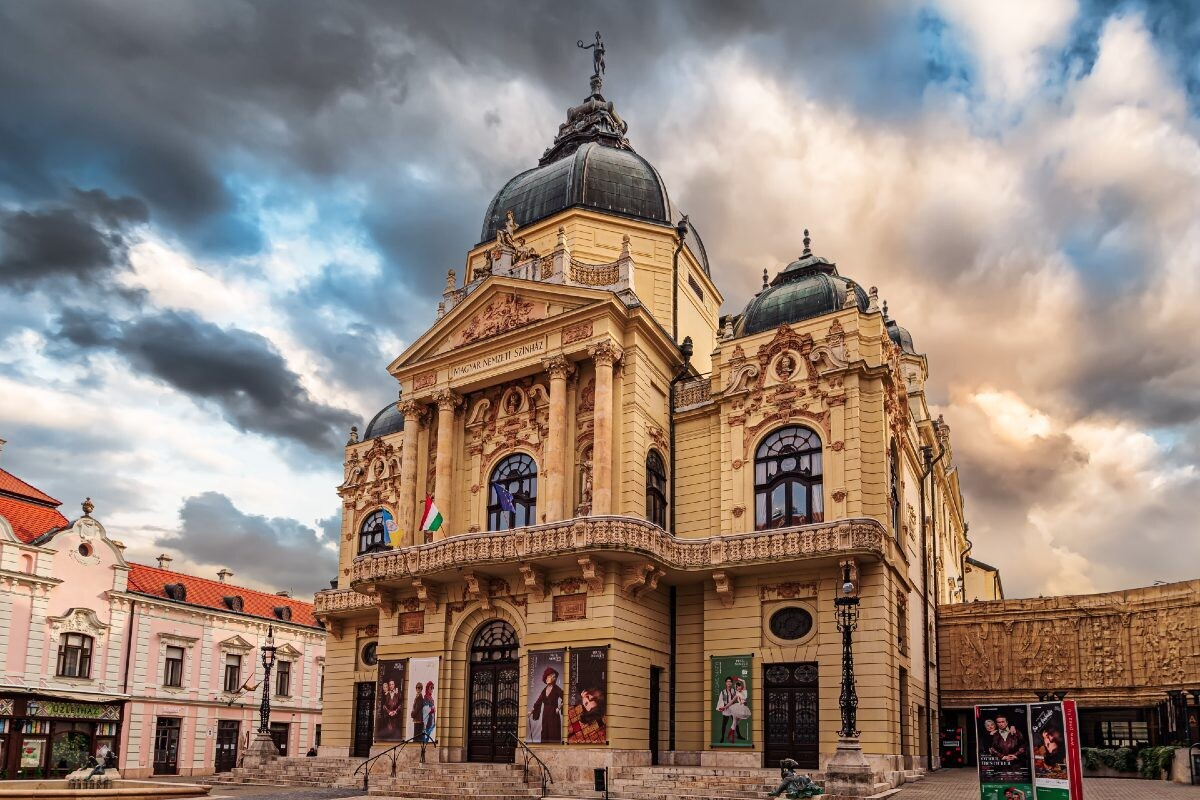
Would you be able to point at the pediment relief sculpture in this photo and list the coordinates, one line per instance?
(502, 313)
(78, 620)
(236, 643)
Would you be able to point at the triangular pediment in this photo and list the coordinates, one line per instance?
(493, 310)
(235, 643)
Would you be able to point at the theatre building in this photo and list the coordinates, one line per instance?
(646, 506)
(158, 666)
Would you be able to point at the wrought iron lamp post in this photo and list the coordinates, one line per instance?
(846, 609)
(848, 774)
(268, 661)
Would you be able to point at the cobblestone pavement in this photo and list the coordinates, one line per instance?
(963, 784)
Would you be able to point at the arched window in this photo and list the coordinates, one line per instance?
(894, 473)
(656, 489)
(495, 641)
(787, 479)
(75, 656)
(373, 533)
(518, 475)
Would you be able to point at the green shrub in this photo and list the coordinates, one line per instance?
(1155, 760)
(1123, 759)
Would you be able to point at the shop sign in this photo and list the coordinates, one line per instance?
(31, 753)
(67, 710)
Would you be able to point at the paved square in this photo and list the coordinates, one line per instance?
(962, 784)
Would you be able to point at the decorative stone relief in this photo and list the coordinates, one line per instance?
(723, 582)
(577, 332)
(78, 620)
(500, 315)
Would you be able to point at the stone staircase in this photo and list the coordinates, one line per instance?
(693, 783)
(446, 781)
(313, 772)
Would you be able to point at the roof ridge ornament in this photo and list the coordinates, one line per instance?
(807, 242)
(593, 120)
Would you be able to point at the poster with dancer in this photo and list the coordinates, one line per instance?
(389, 701)
(731, 723)
(545, 697)
(587, 716)
(1005, 759)
(422, 700)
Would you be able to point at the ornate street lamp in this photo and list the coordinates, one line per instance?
(268, 661)
(846, 611)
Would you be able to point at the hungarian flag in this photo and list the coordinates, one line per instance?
(433, 518)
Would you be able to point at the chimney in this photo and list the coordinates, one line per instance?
(2, 443)
(223, 574)
(164, 561)
(284, 593)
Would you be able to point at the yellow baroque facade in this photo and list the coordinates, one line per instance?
(647, 506)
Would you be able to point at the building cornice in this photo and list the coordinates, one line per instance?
(214, 613)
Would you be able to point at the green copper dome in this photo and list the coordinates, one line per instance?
(808, 287)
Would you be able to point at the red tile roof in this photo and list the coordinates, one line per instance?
(152, 581)
(30, 511)
(11, 484)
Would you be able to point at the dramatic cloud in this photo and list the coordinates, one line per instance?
(275, 552)
(227, 218)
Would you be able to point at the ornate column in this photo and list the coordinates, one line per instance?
(448, 403)
(555, 468)
(605, 355)
(407, 516)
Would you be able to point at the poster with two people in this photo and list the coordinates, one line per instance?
(587, 703)
(399, 717)
(731, 724)
(1028, 752)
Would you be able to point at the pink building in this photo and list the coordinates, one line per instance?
(162, 667)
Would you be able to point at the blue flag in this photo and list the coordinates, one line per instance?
(504, 496)
(391, 529)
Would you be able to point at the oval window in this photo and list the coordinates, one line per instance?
(368, 654)
(85, 549)
(791, 623)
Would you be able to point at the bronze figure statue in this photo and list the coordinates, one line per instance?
(597, 53)
(794, 784)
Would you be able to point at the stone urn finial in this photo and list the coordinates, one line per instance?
(87, 506)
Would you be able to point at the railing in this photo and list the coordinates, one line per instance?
(393, 751)
(528, 755)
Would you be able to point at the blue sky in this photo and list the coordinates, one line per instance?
(219, 222)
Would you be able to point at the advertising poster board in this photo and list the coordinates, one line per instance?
(1051, 756)
(389, 702)
(1005, 764)
(545, 696)
(587, 716)
(731, 687)
(422, 702)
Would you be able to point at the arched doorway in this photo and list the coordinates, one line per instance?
(494, 707)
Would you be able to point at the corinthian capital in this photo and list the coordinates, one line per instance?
(448, 400)
(411, 409)
(558, 366)
(605, 353)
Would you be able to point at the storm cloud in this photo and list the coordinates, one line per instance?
(228, 217)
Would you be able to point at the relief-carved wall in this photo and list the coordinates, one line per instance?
(1107, 647)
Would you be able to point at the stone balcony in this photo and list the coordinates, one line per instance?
(633, 544)
(333, 602)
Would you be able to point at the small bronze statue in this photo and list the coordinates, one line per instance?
(793, 784)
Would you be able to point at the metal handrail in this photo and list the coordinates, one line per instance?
(394, 752)
(528, 755)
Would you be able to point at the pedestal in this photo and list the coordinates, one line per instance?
(260, 752)
(848, 774)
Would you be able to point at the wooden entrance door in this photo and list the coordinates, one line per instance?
(790, 692)
(166, 746)
(228, 731)
(279, 735)
(364, 718)
(493, 712)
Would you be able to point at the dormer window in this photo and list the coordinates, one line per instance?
(284, 613)
(233, 602)
(175, 591)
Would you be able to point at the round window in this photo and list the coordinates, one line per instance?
(85, 549)
(368, 654)
(791, 623)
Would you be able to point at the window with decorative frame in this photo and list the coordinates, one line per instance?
(517, 474)
(233, 672)
(656, 489)
(788, 479)
(283, 679)
(74, 656)
(372, 534)
(173, 666)
(894, 475)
